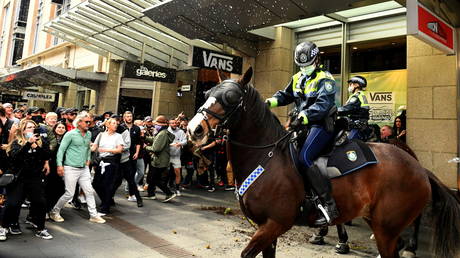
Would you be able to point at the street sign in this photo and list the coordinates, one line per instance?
(427, 26)
(32, 95)
(149, 71)
(206, 58)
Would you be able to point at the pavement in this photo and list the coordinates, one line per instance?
(197, 224)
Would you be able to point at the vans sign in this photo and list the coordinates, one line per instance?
(205, 58)
(149, 71)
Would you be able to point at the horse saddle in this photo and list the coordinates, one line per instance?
(344, 158)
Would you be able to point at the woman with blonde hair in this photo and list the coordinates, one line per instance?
(29, 159)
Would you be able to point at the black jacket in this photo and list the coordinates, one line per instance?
(28, 161)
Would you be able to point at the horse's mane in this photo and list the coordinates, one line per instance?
(261, 113)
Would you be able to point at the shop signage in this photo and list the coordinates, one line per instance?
(10, 98)
(425, 25)
(186, 87)
(149, 71)
(205, 58)
(31, 95)
(382, 105)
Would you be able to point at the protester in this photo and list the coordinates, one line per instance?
(73, 159)
(70, 115)
(180, 140)
(140, 165)
(29, 158)
(10, 112)
(108, 146)
(159, 151)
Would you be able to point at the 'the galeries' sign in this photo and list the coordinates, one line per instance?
(149, 71)
(205, 58)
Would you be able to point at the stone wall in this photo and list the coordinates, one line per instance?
(432, 108)
(274, 66)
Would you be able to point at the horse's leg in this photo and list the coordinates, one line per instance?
(270, 251)
(386, 243)
(318, 237)
(342, 247)
(412, 246)
(264, 237)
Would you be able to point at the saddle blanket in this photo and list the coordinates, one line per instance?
(346, 158)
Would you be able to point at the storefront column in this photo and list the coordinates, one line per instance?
(70, 96)
(275, 66)
(107, 95)
(432, 108)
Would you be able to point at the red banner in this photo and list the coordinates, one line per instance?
(435, 28)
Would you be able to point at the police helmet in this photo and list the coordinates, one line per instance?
(361, 81)
(306, 53)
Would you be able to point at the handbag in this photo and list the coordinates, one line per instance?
(96, 159)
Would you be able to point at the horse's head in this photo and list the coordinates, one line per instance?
(223, 103)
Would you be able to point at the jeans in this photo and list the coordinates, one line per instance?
(140, 169)
(71, 177)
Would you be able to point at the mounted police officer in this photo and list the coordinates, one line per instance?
(356, 108)
(313, 91)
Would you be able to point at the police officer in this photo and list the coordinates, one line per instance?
(313, 91)
(356, 108)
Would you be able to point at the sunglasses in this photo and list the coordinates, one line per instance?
(87, 122)
(73, 114)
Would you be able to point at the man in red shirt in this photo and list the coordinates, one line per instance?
(71, 113)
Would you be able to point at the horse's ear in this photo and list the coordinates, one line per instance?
(221, 75)
(246, 78)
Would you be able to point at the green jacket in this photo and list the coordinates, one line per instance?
(159, 150)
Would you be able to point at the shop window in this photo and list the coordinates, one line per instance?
(62, 7)
(330, 58)
(37, 25)
(4, 26)
(382, 55)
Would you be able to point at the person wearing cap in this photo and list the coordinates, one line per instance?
(159, 166)
(10, 112)
(71, 113)
(18, 113)
(312, 90)
(356, 108)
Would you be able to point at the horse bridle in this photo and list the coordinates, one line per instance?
(223, 120)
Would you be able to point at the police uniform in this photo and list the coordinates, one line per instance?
(315, 96)
(357, 109)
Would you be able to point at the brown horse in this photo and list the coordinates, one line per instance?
(388, 195)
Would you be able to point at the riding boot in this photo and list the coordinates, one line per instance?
(322, 187)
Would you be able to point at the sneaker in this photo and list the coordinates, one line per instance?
(220, 183)
(152, 197)
(74, 205)
(56, 217)
(170, 197)
(14, 229)
(2, 234)
(132, 199)
(230, 188)
(29, 221)
(140, 188)
(43, 234)
(82, 198)
(178, 193)
(97, 219)
(211, 189)
(25, 205)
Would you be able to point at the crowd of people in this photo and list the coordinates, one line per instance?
(67, 158)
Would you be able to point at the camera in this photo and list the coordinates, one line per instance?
(37, 132)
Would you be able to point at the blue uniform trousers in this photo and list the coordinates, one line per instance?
(316, 141)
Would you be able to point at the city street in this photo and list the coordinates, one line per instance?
(191, 225)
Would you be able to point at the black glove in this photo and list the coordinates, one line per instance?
(297, 123)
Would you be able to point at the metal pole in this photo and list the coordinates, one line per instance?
(344, 62)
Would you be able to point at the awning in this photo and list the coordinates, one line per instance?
(46, 75)
(120, 27)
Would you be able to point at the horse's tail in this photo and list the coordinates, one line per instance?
(446, 215)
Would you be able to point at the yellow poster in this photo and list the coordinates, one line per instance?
(386, 92)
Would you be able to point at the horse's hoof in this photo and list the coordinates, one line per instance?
(316, 240)
(342, 248)
(407, 254)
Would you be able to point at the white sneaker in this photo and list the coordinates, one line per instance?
(97, 219)
(44, 234)
(178, 193)
(82, 198)
(56, 217)
(132, 198)
(140, 188)
(2, 234)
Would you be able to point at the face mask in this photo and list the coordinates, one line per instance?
(28, 135)
(351, 89)
(158, 127)
(37, 119)
(307, 70)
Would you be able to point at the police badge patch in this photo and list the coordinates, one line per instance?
(303, 58)
(351, 155)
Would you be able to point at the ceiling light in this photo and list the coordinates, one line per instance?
(355, 48)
